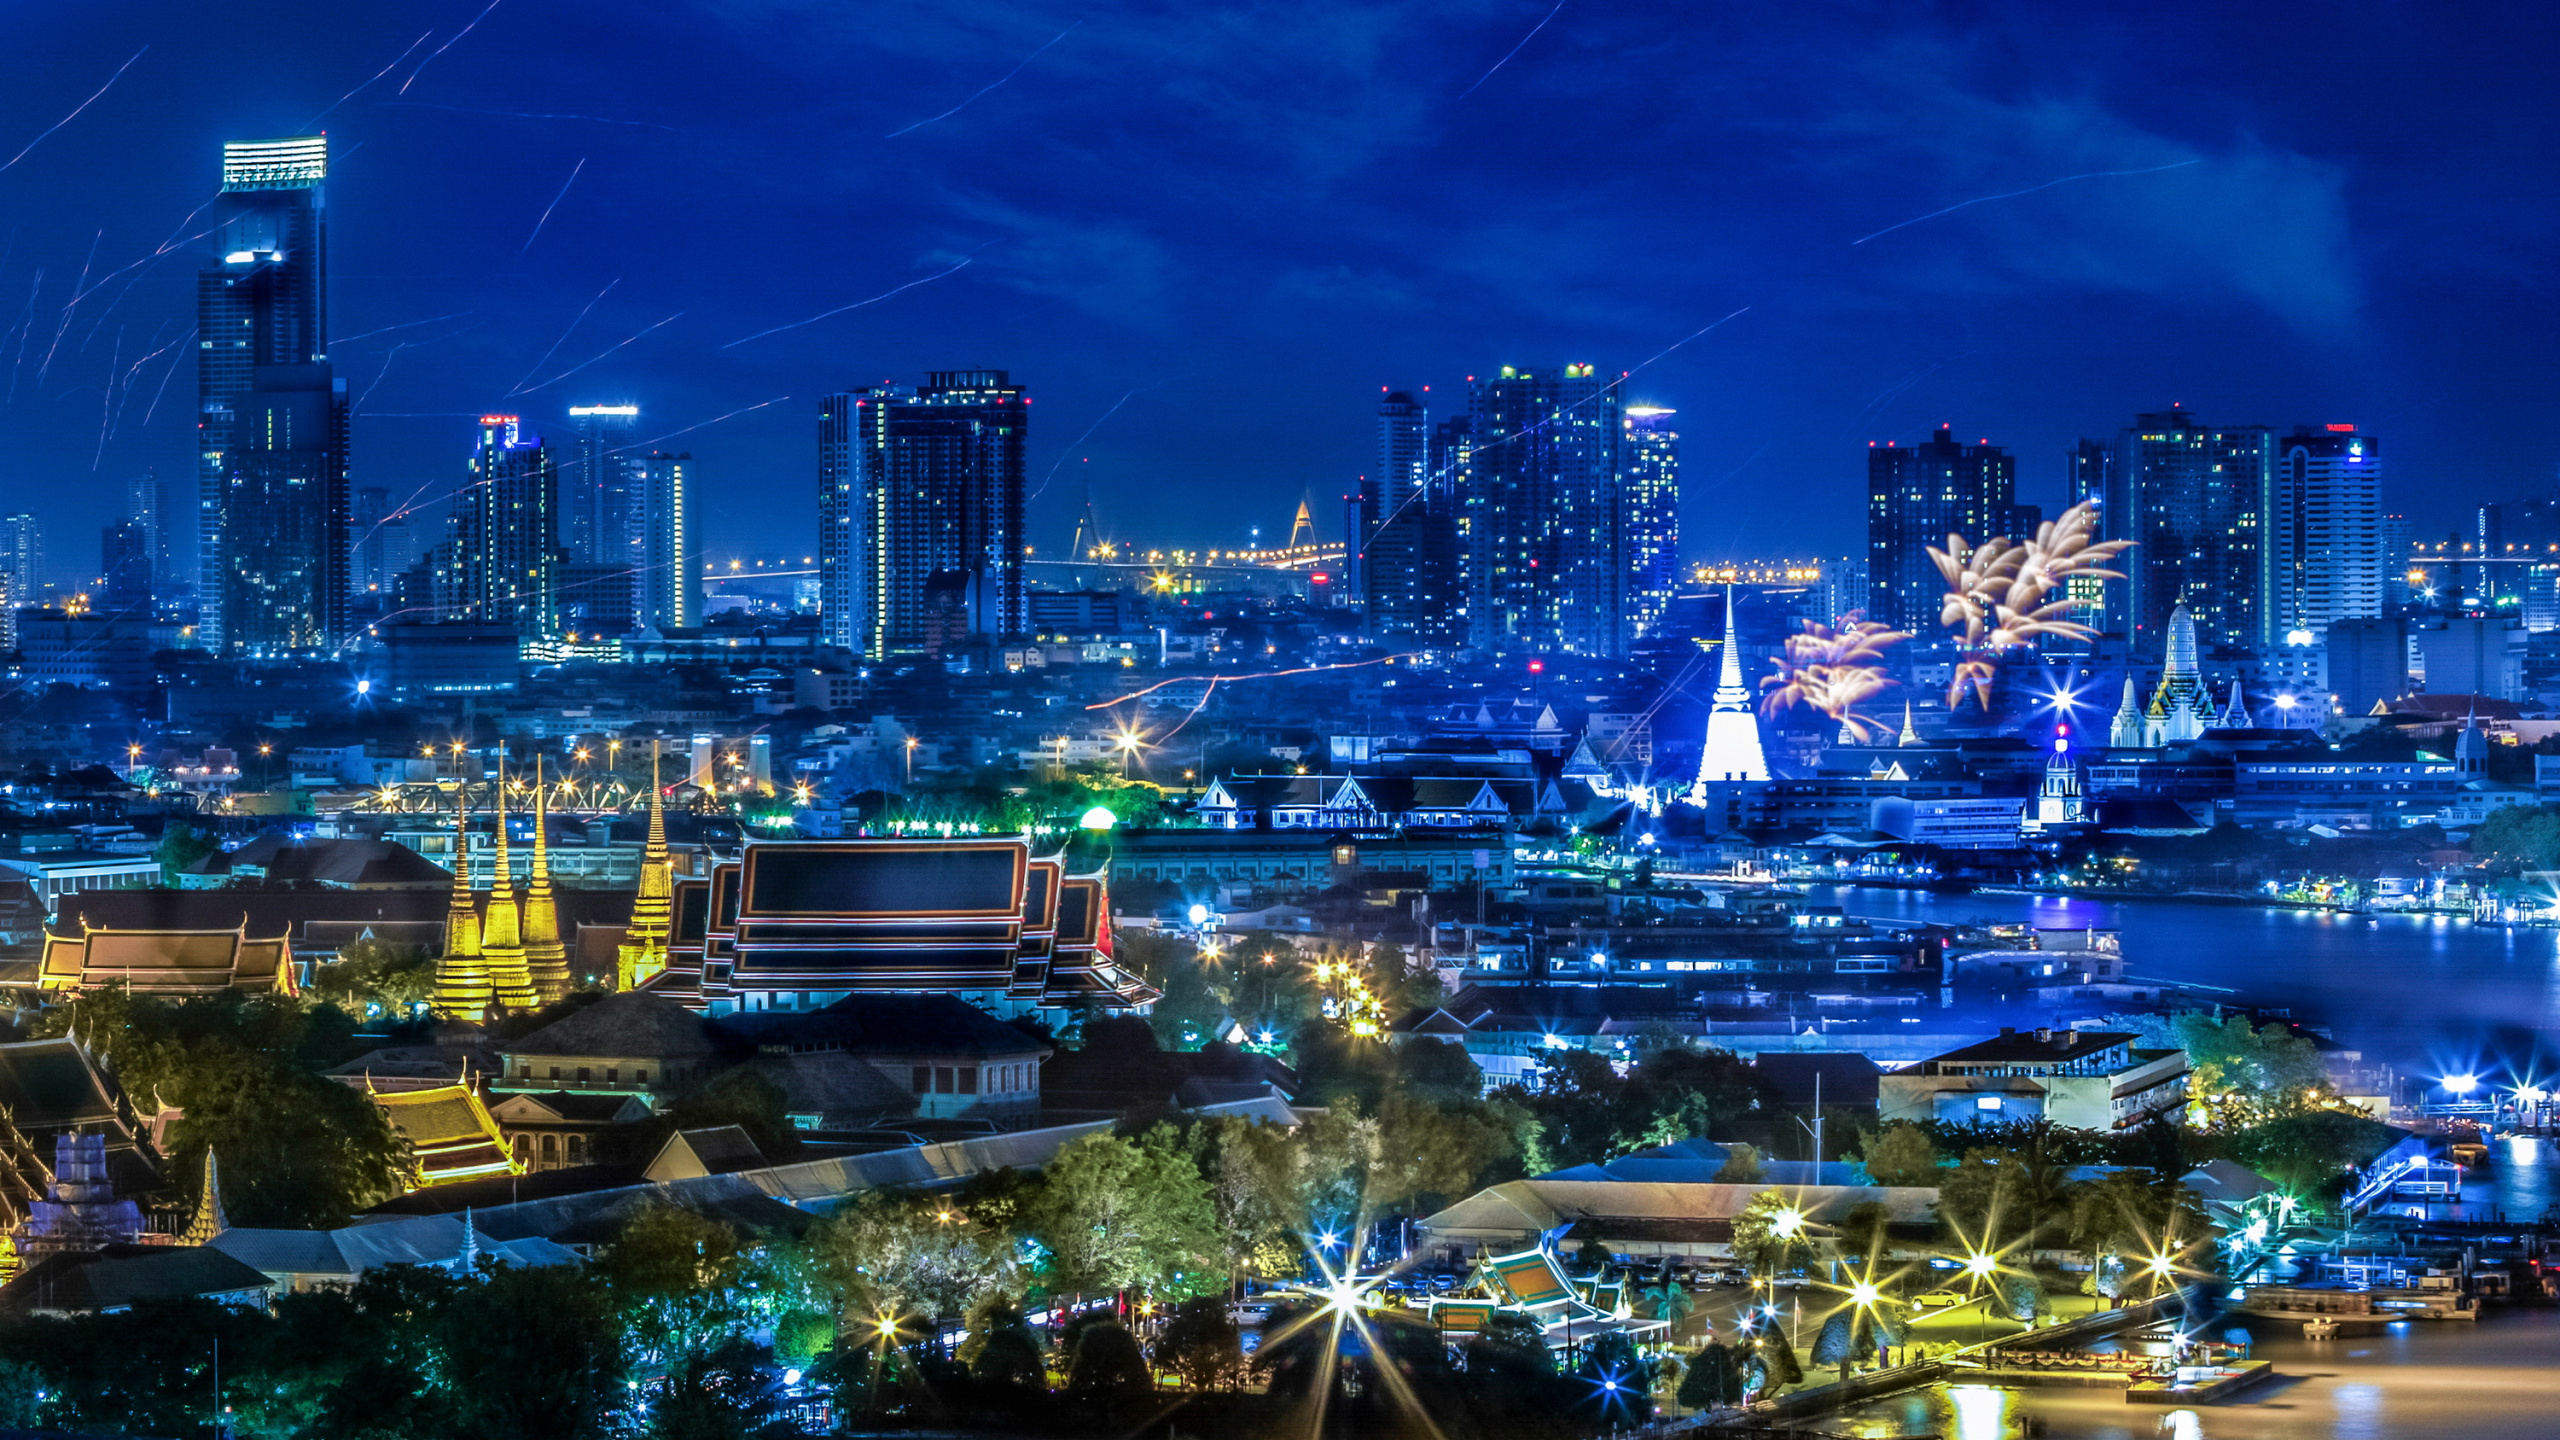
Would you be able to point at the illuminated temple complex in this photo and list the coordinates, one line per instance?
(795, 925)
(799, 925)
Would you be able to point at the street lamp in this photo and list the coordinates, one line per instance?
(1980, 1267)
(911, 760)
(1127, 743)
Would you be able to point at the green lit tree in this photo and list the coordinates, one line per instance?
(1117, 1214)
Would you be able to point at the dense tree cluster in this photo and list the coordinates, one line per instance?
(297, 1149)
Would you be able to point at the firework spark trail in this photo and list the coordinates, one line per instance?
(358, 407)
(136, 368)
(154, 408)
(104, 315)
(554, 205)
(46, 366)
(75, 111)
(2030, 190)
(565, 334)
(841, 309)
(25, 327)
(1079, 440)
(449, 44)
(583, 364)
(107, 401)
(1516, 49)
(344, 340)
(376, 75)
(1009, 74)
(521, 114)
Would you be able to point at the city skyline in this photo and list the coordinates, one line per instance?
(2253, 273)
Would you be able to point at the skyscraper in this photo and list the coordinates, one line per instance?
(1407, 535)
(920, 511)
(22, 558)
(670, 570)
(124, 569)
(1916, 498)
(2193, 499)
(2092, 472)
(502, 555)
(840, 612)
(383, 547)
(264, 303)
(1546, 553)
(283, 583)
(1650, 455)
(2325, 560)
(599, 496)
(142, 507)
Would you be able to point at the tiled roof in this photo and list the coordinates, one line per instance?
(449, 1132)
(631, 1023)
(125, 1275)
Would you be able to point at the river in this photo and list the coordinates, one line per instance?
(2410, 1380)
(2407, 1380)
(2421, 992)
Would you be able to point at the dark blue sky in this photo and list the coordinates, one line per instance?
(1235, 223)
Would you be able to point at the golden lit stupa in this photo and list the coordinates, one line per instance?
(501, 928)
(644, 945)
(462, 976)
(546, 959)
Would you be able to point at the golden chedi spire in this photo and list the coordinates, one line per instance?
(546, 959)
(462, 976)
(644, 947)
(501, 930)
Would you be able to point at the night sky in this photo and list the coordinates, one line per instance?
(1206, 235)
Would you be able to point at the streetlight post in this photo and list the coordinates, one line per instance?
(1980, 1267)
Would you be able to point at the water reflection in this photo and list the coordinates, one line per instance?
(1981, 1413)
(2404, 985)
(2487, 1381)
(2359, 1412)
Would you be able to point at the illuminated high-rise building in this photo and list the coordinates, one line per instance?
(501, 560)
(920, 512)
(283, 583)
(599, 494)
(262, 304)
(1917, 496)
(1406, 537)
(669, 579)
(2194, 500)
(22, 558)
(1546, 552)
(2092, 468)
(840, 612)
(2325, 560)
(1650, 459)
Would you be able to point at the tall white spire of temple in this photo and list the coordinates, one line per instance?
(1733, 727)
(2127, 731)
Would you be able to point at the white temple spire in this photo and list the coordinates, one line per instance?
(1733, 729)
